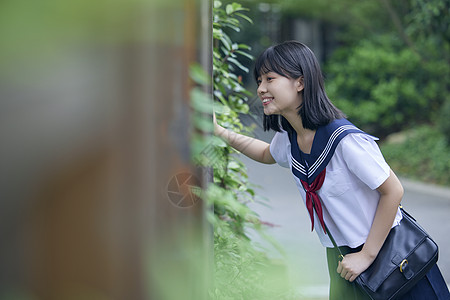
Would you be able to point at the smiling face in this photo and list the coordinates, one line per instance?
(279, 94)
(276, 69)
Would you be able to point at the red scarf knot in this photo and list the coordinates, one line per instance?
(311, 196)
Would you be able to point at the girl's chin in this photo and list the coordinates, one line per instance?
(269, 112)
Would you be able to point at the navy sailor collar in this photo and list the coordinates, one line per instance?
(307, 166)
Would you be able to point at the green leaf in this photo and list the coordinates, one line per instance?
(237, 6)
(199, 75)
(217, 33)
(238, 64)
(226, 41)
(229, 9)
(218, 142)
(244, 17)
(234, 27)
(244, 46)
(234, 165)
(245, 54)
(201, 101)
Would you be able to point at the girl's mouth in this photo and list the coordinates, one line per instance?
(266, 101)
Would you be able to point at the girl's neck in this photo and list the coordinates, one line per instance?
(305, 137)
(296, 122)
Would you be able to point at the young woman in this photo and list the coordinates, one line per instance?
(329, 157)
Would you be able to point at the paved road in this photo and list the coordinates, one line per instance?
(306, 256)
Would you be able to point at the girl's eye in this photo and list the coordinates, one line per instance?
(269, 78)
(258, 82)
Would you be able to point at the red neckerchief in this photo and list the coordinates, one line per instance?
(312, 197)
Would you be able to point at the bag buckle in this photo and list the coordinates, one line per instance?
(403, 264)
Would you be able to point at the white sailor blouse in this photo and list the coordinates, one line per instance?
(350, 166)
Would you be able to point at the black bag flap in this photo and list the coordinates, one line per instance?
(400, 243)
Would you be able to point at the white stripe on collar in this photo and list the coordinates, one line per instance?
(302, 169)
(298, 166)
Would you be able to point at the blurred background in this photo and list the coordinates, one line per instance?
(96, 128)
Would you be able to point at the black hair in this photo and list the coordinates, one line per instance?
(293, 59)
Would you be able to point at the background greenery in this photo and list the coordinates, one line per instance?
(387, 66)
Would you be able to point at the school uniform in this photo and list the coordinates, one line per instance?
(350, 167)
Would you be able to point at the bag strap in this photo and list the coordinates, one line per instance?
(341, 256)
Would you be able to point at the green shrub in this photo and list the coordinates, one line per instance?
(443, 120)
(421, 153)
(384, 87)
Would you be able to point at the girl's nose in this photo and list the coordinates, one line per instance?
(261, 88)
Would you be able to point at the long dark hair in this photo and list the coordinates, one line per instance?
(293, 59)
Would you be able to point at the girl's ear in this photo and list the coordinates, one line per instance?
(299, 84)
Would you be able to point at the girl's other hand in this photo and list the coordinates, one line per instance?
(217, 127)
(354, 264)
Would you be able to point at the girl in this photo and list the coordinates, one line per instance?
(329, 157)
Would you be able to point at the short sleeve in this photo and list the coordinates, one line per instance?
(364, 159)
(280, 148)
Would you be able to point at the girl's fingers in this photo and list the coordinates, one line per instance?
(345, 273)
(339, 268)
(214, 119)
(348, 276)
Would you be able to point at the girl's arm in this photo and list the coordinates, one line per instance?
(253, 148)
(391, 193)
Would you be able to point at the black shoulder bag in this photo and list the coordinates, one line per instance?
(407, 254)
